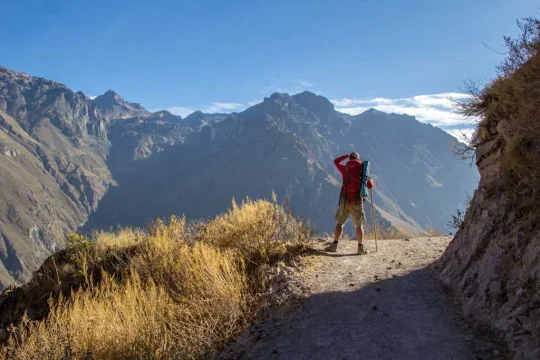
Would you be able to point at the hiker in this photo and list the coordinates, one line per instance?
(350, 201)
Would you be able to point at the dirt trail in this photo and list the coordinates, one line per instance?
(384, 305)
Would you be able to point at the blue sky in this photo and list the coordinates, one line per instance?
(225, 55)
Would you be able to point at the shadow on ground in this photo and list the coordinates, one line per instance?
(401, 317)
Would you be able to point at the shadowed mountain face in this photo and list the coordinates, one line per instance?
(67, 160)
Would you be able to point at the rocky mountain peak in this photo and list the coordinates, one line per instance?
(165, 115)
(111, 93)
(278, 97)
(111, 105)
(111, 98)
(315, 103)
(372, 111)
(23, 79)
(199, 119)
(195, 116)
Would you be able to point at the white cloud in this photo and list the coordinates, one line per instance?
(289, 86)
(254, 102)
(91, 97)
(219, 107)
(180, 110)
(291, 90)
(304, 83)
(436, 109)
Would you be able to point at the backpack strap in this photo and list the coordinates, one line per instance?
(358, 198)
(345, 186)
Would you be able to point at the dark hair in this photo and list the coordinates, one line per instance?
(354, 156)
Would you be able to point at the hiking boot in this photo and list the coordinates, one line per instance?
(332, 247)
(361, 249)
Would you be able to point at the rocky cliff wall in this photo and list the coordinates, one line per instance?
(493, 263)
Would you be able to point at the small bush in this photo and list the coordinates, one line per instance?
(457, 221)
(77, 241)
(432, 232)
(260, 232)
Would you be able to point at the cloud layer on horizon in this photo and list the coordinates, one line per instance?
(217, 107)
(181, 110)
(435, 109)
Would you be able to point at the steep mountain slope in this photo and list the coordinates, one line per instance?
(139, 137)
(53, 147)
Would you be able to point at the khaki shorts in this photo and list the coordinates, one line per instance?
(356, 212)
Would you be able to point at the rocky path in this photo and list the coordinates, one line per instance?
(384, 305)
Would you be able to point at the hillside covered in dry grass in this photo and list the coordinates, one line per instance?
(174, 290)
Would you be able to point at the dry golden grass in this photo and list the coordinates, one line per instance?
(123, 238)
(390, 233)
(258, 231)
(161, 294)
(109, 321)
(432, 231)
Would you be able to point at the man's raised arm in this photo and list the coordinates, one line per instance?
(337, 162)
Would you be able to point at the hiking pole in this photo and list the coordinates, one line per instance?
(373, 216)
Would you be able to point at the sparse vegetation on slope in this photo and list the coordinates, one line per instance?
(510, 106)
(492, 263)
(174, 291)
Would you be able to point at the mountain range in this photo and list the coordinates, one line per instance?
(70, 162)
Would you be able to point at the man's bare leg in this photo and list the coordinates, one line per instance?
(360, 234)
(360, 237)
(338, 231)
(337, 234)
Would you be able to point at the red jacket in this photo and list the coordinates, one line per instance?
(350, 189)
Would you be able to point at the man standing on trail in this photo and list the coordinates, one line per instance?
(350, 201)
